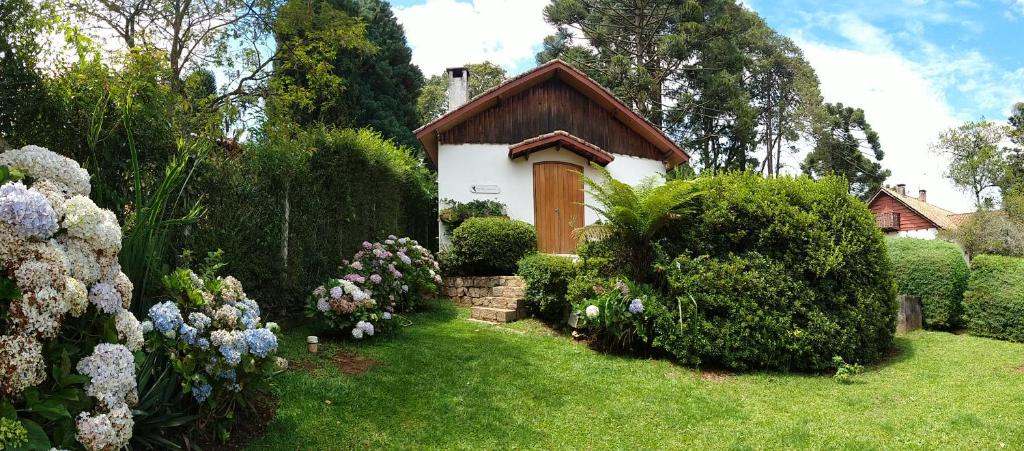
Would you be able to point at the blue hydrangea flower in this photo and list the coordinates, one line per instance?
(203, 343)
(261, 342)
(199, 320)
(188, 333)
(232, 355)
(202, 392)
(165, 316)
(230, 375)
(636, 307)
(387, 315)
(27, 210)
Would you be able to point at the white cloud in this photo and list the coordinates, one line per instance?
(902, 104)
(446, 33)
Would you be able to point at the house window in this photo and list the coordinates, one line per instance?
(889, 220)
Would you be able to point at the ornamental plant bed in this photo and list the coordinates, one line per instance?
(250, 426)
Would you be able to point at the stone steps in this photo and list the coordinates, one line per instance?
(495, 315)
(498, 299)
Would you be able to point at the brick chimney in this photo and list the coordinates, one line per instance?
(922, 195)
(458, 87)
(901, 188)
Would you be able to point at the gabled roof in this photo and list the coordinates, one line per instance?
(573, 77)
(564, 140)
(938, 216)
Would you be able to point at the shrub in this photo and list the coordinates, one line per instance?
(344, 306)
(936, 271)
(383, 278)
(620, 315)
(634, 215)
(458, 212)
(218, 344)
(66, 379)
(825, 277)
(398, 272)
(489, 247)
(994, 300)
(292, 206)
(547, 281)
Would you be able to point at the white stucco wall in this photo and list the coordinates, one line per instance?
(460, 166)
(924, 234)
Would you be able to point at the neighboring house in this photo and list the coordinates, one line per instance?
(525, 143)
(901, 215)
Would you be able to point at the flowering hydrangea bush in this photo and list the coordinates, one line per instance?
(217, 342)
(620, 313)
(382, 279)
(62, 296)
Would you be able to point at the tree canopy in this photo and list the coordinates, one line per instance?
(723, 84)
(433, 99)
(846, 145)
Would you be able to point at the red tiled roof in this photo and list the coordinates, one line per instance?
(564, 140)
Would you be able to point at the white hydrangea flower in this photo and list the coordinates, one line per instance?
(227, 316)
(38, 314)
(83, 263)
(76, 296)
(21, 364)
(82, 217)
(106, 298)
(111, 370)
(357, 333)
(129, 329)
(42, 164)
(124, 287)
(231, 289)
(592, 311)
(105, 431)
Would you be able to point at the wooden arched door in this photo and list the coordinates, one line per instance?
(557, 205)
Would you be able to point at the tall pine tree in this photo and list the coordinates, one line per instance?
(363, 78)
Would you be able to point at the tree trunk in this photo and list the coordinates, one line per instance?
(284, 230)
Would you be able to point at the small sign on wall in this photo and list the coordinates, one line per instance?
(485, 189)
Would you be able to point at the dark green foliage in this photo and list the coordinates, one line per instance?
(488, 247)
(457, 212)
(994, 300)
(360, 76)
(325, 190)
(803, 257)
(746, 311)
(547, 281)
(162, 417)
(846, 145)
(936, 271)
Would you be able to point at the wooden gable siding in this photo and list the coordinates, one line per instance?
(909, 219)
(549, 106)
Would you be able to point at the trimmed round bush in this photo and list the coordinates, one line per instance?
(488, 247)
(777, 273)
(994, 300)
(936, 271)
(547, 279)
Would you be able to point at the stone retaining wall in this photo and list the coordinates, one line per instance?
(493, 298)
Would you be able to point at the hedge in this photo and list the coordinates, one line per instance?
(807, 252)
(994, 300)
(289, 209)
(547, 281)
(488, 247)
(936, 271)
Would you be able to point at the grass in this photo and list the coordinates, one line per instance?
(446, 382)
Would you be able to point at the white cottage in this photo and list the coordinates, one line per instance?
(525, 142)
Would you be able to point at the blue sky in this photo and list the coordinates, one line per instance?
(915, 66)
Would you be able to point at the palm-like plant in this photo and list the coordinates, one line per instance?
(633, 215)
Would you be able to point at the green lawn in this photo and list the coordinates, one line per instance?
(446, 382)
